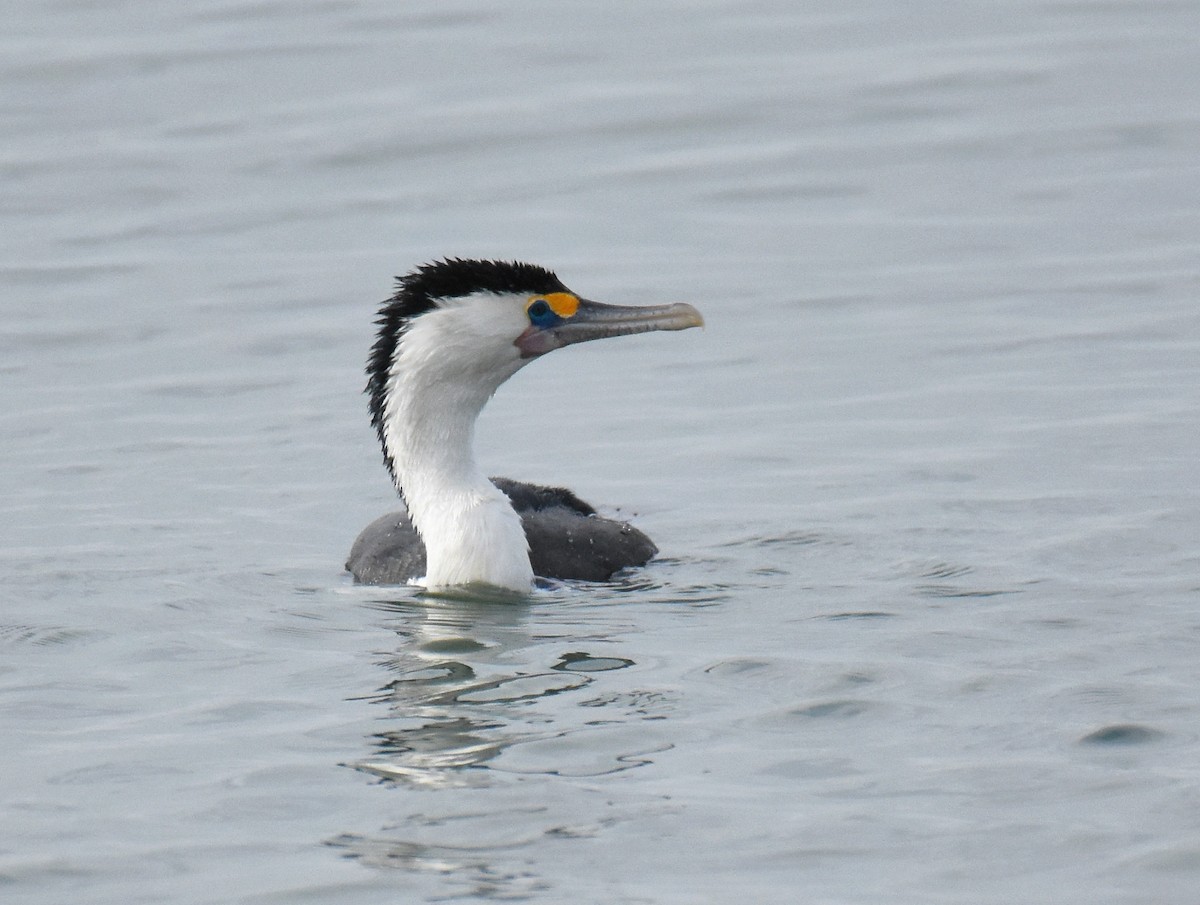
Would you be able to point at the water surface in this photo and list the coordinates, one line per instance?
(924, 627)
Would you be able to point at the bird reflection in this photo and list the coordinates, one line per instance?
(476, 705)
(455, 700)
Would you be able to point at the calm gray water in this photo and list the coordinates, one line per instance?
(925, 628)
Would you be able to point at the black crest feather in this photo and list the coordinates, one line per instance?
(419, 291)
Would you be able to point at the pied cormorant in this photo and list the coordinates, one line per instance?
(452, 333)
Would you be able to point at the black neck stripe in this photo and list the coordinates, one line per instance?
(420, 291)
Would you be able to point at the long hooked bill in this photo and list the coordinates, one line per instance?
(596, 320)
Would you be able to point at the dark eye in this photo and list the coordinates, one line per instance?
(541, 314)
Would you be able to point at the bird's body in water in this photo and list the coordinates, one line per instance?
(452, 333)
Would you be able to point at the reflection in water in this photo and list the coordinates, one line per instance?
(472, 867)
(453, 693)
(468, 718)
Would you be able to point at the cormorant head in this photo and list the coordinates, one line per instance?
(469, 325)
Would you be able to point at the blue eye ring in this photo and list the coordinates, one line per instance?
(541, 314)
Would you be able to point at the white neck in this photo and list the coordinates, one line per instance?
(442, 375)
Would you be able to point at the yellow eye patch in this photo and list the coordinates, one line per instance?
(564, 304)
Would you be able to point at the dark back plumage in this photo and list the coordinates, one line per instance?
(420, 291)
(567, 540)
